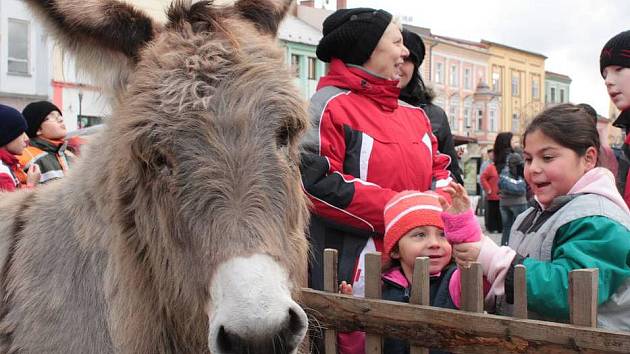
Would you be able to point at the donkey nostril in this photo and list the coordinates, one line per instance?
(225, 341)
(296, 325)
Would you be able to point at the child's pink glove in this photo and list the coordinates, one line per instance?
(461, 228)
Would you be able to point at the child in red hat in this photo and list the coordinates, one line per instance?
(416, 225)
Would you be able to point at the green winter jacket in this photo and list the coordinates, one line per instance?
(589, 242)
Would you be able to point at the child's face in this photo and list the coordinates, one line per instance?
(17, 145)
(617, 81)
(423, 241)
(551, 169)
(52, 127)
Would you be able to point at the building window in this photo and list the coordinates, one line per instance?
(454, 112)
(535, 88)
(479, 119)
(496, 81)
(312, 68)
(515, 123)
(552, 93)
(467, 125)
(84, 121)
(561, 96)
(439, 73)
(454, 76)
(295, 65)
(492, 120)
(18, 35)
(467, 78)
(515, 84)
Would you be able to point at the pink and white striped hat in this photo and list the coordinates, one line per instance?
(406, 211)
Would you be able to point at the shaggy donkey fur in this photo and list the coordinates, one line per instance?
(197, 165)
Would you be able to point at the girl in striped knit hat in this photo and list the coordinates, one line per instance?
(416, 226)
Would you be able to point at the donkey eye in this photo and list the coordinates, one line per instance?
(282, 137)
(163, 165)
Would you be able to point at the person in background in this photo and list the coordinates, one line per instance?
(607, 157)
(414, 92)
(13, 141)
(579, 220)
(614, 66)
(47, 133)
(490, 183)
(510, 205)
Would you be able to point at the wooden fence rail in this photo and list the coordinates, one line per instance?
(469, 330)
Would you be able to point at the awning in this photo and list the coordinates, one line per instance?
(461, 140)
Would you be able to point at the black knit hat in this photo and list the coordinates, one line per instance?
(352, 34)
(616, 52)
(12, 124)
(35, 113)
(414, 43)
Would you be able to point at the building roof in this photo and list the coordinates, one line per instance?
(557, 77)
(313, 16)
(489, 43)
(421, 31)
(462, 43)
(292, 29)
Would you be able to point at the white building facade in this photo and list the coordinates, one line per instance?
(25, 65)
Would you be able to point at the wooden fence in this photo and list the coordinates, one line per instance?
(459, 331)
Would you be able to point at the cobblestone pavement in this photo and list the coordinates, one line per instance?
(496, 237)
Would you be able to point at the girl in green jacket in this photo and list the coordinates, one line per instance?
(579, 221)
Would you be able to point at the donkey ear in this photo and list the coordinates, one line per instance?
(104, 35)
(266, 14)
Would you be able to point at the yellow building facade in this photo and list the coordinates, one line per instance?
(518, 76)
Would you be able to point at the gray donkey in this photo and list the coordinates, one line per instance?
(181, 229)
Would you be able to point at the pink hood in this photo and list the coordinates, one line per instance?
(602, 182)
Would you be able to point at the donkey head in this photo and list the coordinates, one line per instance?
(199, 171)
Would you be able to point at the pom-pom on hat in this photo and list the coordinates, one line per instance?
(406, 211)
(352, 34)
(616, 52)
(12, 124)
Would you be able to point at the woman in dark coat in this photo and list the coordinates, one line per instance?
(415, 93)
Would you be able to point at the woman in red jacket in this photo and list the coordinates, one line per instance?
(364, 146)
(490, 183)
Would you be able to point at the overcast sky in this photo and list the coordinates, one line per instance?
(571, 33)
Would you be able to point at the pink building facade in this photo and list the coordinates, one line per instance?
(457, 70)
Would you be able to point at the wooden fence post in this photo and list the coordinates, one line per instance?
(520, 291)
(373, 342)
(472, 288)
(583, 297)
(330, 285)
(420, 292)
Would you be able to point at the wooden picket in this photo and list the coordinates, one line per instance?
(469, 330)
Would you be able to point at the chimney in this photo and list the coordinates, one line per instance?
(341, 4)
(309, 3)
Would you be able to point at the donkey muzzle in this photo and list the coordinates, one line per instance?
(252, 310)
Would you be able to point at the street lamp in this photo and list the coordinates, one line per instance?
(80, 104)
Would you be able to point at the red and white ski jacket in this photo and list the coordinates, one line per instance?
(365, 146)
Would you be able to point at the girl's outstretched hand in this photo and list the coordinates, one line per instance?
(464, 253)
(345, 288)
(460, 202)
